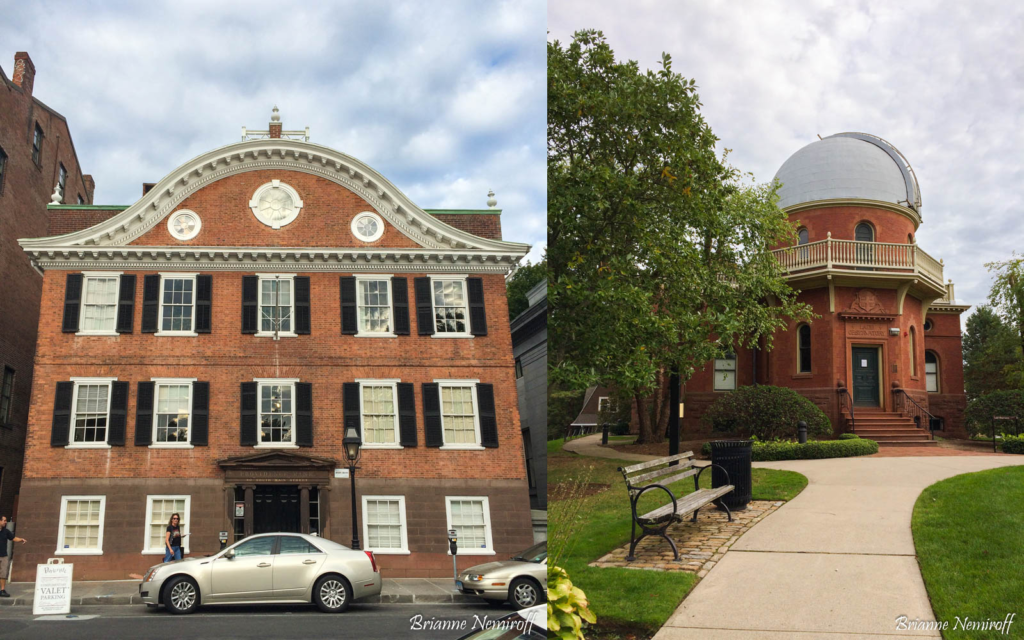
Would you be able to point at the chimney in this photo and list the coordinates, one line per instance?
(90, 187)
(275, 124)
(146, 186)
(24, 72)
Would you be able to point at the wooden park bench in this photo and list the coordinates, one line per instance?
(657, 522)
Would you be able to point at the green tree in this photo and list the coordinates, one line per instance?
(1007, 297)
(989, 349)
(659, 251)
(524, 278)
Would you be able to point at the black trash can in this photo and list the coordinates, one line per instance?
(734, 457)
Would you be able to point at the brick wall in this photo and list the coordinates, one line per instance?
(64, 221)
(483, 224)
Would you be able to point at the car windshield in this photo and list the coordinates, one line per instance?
(536, 553)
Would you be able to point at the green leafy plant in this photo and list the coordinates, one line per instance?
(1012, 444)
(567, 606)
(766, 412)
(847, 436)
(813, 450)
(980, 412)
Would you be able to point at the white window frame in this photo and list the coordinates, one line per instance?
(404, 551)
(367, 214)
(164, 277)
(359, 306)
(390, 382)
(476, 414)
(86, 275)
(149, 551)
(433, 309)
(191, 397)
(602, 400)
(74, 407)
(715, 370)
(489, 551)
(98, 551)
(260, 383)
(260, 333)
(931, 376)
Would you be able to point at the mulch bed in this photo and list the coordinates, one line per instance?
(660, 448)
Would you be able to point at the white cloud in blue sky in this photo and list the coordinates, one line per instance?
(446, 99)
(941, 80)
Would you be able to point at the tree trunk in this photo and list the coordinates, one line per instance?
(644, 419)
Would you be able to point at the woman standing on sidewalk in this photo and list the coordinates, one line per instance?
(172, 539)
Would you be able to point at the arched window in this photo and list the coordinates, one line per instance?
(865, 253)
(910, 238)
(803, 341)
(864, 233)
(725, 373)
(931, 372)
(913, 354)
(802, 237)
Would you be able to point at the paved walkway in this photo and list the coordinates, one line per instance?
(591, 446)
(837, 561)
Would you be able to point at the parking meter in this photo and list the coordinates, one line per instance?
(223, 539)
(453, 547)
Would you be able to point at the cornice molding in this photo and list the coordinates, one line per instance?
(854, 202)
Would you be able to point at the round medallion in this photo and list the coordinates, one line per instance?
(275, 204)
(367, 226)
(184, 224)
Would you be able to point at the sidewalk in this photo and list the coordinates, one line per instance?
(591, 446)
(126, 592)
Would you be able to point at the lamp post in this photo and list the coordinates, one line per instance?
(352, 442)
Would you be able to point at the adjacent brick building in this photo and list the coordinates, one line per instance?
(205, 349)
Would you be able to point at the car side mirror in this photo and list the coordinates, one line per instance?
(229, 554)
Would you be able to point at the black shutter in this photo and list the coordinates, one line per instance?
(249, 417)
(304, 414)
(350, 408)
(118, 422)
(126, 304)
(204, 303)
(432, 431)
(62, 411)
(488, 417)
(477, 312)
(424, 307)
(302, 319)
(406, 414)
(349, 315)
(72, 304)
(144, 413)
(400, 303)
(150, 303)
(250, 304)
(200, 413)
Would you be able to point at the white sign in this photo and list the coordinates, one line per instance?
(53, 589)
(341, 473)
(864, 364)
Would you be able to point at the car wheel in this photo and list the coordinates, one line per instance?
(523, 593)
(181, 595)
(332, 594)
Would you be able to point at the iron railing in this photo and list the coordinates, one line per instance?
(846, 399)
(903, 403)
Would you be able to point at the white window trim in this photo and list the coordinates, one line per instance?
(254, 203)
(164, 277)
(715, 370)
(433, 309)
(260, 383)
(489, 551)
(172, 445)
(81, 309)
(476, 415)
(187, 236)
(389, 382)
(259, 305)
(367, 214)
(359, 307)
(404, 551)
(74, 404)
(146, 549)
(98, 551)
(605, 399)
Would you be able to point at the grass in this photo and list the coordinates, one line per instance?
(628, 599)
(967, 531)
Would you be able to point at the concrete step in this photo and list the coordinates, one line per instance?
(909, 443)
(909, 433)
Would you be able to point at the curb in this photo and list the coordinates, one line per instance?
(393, 598)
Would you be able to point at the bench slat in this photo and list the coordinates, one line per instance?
(688, 503)
(654, 463)
(660, 472)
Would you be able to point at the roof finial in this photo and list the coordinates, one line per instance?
(491, 202)
(57, 196)
(275, 115)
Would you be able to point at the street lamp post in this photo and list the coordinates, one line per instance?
(352, 443)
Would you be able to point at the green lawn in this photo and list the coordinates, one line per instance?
(627, 599)
(968, 531)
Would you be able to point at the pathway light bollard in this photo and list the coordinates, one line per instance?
(801, 429)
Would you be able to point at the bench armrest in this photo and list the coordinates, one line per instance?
(636, 498)
(696, 478)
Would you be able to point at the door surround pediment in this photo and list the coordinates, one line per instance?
(277, 467)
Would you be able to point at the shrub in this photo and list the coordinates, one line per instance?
(620, 428)
(813, 450)
(563, 407)
(1012, 444)
(567, 606)
(766, 412)
(998, 403)
(848, 436)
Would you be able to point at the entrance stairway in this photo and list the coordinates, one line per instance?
(888, 429)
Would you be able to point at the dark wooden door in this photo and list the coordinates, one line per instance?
(276, 509)
(865, 377)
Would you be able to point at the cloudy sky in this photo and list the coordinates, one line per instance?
(941, 80)
(446, 99)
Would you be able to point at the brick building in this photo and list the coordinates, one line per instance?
(205, 349)
(36, 154)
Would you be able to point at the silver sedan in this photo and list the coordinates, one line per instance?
(521, 580)
(266, 568)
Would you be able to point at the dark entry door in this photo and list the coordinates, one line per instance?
(275, 509)
(865, 377)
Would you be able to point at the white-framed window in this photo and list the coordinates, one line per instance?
(451, 307)
(159, 510)
(378, 406)
(277, 304)
(276, 398)
(80, 531)
(177, 304)
(172, 413)
(99, 303)
(725, 373)
(90, 413)
(460, 417)
(384, 527)
(931, 372)
(603, 402)
(373, 300)
(367, 226)
(470, 516)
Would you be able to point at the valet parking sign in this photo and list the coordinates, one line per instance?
(53, 589)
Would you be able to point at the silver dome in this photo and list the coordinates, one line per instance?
(848, 166)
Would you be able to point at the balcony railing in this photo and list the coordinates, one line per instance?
(868, 256)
